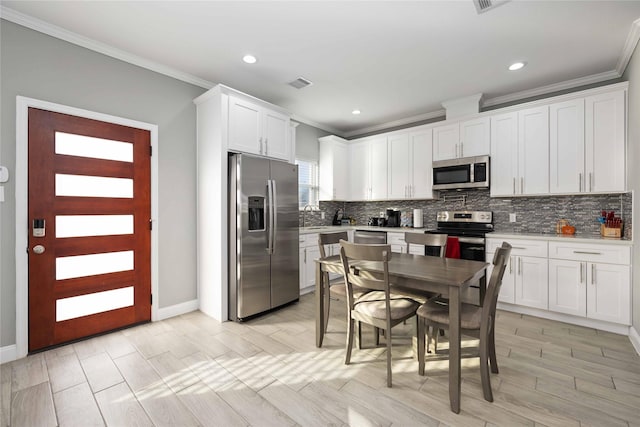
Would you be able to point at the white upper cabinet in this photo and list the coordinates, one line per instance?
(368, 169)
(333, 169)
(410, 171)
(605, 142)
(520, 152)
(258, 130)
(566, 143)
(587, 142)
(462, 139)
(533, 150)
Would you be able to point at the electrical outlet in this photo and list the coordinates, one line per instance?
(512, 217)
(322, 215)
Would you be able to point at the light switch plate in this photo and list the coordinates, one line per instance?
(512, 217)
(1, 193)
(4, 174)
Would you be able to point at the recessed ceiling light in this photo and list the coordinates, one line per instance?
(355, 112)
(516, 66)
(249, 59)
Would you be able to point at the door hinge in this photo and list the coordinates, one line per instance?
(151, 299)
(150, 150)
(150, 224)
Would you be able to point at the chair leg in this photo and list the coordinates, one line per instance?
(428, 331)
(376, 336)
(327, 302)
(492, 352)
(484, 370)
(350, 325)
(359, 335)
(420, 332)
(435, 339)
(388, 338)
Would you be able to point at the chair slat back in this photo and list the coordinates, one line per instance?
(354, 255)
(431, 240)
(500, 260)
(325, 239)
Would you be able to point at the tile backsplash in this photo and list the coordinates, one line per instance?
(533, 214)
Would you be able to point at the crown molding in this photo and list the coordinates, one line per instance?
(325, 128)
(629, 47)
(395, 123)
(556, 87)
(71, 37)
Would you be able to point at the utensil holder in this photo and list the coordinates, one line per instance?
(611, 232)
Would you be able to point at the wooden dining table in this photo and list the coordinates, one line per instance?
(421, 275)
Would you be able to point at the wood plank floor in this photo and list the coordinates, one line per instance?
(193, 371)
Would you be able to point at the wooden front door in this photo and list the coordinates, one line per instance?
(89, 237)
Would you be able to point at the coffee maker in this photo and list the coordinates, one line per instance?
(393, 218)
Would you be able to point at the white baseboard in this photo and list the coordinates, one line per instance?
(634, 337)
(178, 309)
(8, 353)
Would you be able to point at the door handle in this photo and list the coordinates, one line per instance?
(593, 274)
(260, 142)
(590, 181)
(461, 149)
(519, 266)
(521, 185)
(510, 265)
(275, 215)
(580, 181)
(305, 255)
(581, 276)
(266, 146)
(514, 185)
(270, 212)
(38, 249)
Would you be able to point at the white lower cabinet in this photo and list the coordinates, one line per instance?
(591, 281)
(309, 252)
(583, 287)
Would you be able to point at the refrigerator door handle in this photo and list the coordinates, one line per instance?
(274, 209)
(270, 213)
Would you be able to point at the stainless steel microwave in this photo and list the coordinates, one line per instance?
(467, 172)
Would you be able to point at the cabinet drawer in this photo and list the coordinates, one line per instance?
(395, 239)
(611, 254)
(308, 240)
(536, 248)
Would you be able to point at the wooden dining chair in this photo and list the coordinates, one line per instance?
(337, 287)
(379, 308)
(428, 240)
(475, 321)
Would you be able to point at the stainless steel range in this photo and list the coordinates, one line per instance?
(470, 227)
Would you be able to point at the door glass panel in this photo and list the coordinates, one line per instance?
(84, 305)
(97, 148)
(93, 186)
(93, 225)
(89, 265)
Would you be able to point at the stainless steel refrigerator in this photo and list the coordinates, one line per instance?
(263, 235)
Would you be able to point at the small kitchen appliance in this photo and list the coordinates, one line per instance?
(467, 172)
(393, 218)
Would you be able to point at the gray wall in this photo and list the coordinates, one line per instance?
(307, 141)
(632, 75)
(42, 67)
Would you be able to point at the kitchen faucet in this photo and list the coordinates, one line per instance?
(304, 212)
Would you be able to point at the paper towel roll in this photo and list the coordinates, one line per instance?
(417, 218)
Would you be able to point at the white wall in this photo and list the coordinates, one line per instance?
(42, 67)
(307, 141)
(632, 74)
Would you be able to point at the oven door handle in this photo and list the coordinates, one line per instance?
(475, 240)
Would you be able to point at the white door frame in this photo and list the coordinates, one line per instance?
(22, 197)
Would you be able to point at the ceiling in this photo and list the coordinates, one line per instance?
(396, 61)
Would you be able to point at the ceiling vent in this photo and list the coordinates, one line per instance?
(485, 5)
(300, 83)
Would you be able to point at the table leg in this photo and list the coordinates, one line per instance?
(319, 305)
(454, 348)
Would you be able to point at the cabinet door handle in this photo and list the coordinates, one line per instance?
(457, 151)
(411, 191)
(406, 191)
(521, 185)
(581, 276)
(519, 266)
(510, 265)
(305, 255)
(587, 253)
(580, 181)
(461, 149)
(593, 274)
(260, 148)
(266, 147)
(590, 182)
(518, 247)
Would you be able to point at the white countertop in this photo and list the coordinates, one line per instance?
(578, 238)
(335, 228)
